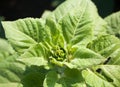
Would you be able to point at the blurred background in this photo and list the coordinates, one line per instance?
(15, 9)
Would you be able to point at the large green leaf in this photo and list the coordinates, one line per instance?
(21, 71)
(23, 33)
(94, 80)
(26, 71)
(11, 72)
(75, 20)
(103, 42)
(108, 46)
(68, 78)
(112, 73)
(113, 24)
(83, 58)
(14, 72)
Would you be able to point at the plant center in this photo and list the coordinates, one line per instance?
(58, 53)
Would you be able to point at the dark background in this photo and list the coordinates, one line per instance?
(14, 9)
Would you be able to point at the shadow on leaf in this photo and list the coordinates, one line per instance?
(34, 76)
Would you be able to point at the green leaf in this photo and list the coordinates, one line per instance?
(94, 80)
(5, 49)
(34, 76)
(103, 42)
(112, 73)
(16, 73)
(108, 46)
(25, 71)
(11, 72)
(10, 85)
(5, 46)
(68, 78)
(46, 13)
(77, 25)
(36, 50)
(83, 58)
(51, 79)
(72, 78)
(115, 56)
(100, 27)
(54, 35)
(35, 55)
(23, 33)
(39, 61)
(113, 24)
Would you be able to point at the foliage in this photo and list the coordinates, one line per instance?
(113, 24)
(56, 2)
(69, 47)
